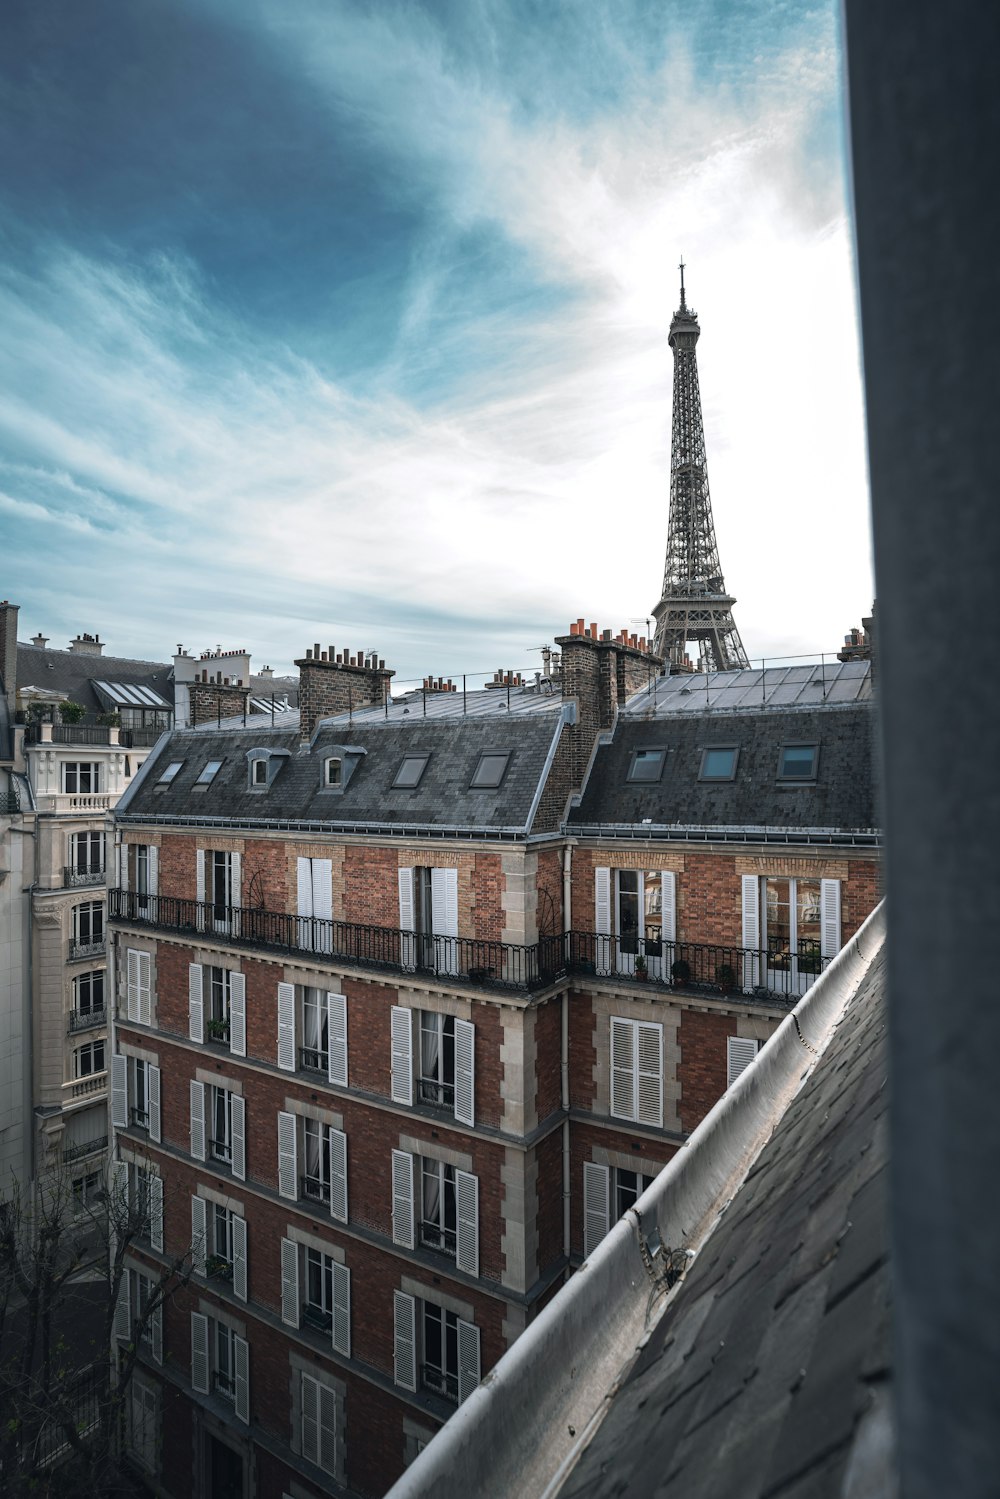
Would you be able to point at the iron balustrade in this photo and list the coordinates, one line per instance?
(774, 972)
(139, 1118)
(311, 1060)
(440, 1095)
(433, 1236)
(92, 875)
(220, 1150)
(85, 1020)
(69, 733)
(10, 803)
(139, 738)
(84, 1148)
(439, 1380)
(315, 1316)
(91, 949)
(315, 1189)
(225, 1384)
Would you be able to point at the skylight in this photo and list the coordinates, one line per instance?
(170, 772)
(718, 763)
(797, 762)
(411, 769)
(490, 770)
(647, 765)
(209, 773)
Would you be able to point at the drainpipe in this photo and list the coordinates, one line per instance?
(567, 870)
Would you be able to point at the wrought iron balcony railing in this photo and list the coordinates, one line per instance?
(92, 875)
(83, 1148)
(772, 972)
(86, 1020)
(90, 947)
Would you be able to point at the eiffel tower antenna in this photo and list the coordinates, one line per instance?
(694, 605)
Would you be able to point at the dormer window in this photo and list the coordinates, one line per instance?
(258, 772)
(333, 771)
(262, 767)
(647, 765)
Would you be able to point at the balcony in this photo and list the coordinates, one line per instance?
(10, 803)
(139, 738)
(75, 803)
(771, 975)
(73, 879)
(86, 1020)
(77, 1152)
(91, 948)
(86, 1087)
(70, 733)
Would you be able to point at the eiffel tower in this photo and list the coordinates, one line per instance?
(694, 604)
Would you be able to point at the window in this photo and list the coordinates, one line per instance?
(320, 1152)
(333, 771)
(797, 762)
(88, 926)
(627, 1188)
(210, 771)
(791, 928)
(447, 1208)
(316, 1292)
(133, 1313)
(718, 763)
(220, 1361)
(490, 770)
(218, 889)
(410, 771)
(220, 1130)
(428, 918)
(445, 1061)
(435, 1349)
(138, 871)
(140, 1290)
(81, 777)
(86, 855)
(138, 986)
(217, 1006)
(319, 1423)
(647, 765)
(143, 1433)
(138, 1076)
(637, 1071)
(635, 921)
(88, 1191)
(314, 891)
(140, 1197)
(313, 1054)
(316, 1018)
(219, 1243)
(608, 1193)
(218, 1126)
(167, 775)
(88, 1059)
(88, 996)
(258, 772)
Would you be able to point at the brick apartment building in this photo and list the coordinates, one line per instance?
(423, 994)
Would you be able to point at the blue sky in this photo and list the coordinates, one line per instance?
(347, 321)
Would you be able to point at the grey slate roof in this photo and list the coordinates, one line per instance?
(841, 798)
(73, 673)
(768, 1373)
(442, 799)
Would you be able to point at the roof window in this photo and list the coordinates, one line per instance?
(718, 762)
(170, 772)
(333, 771)
(797, 762)
(490, 769)
(209, 773)
(258, 772)
(647, 765)
(411, 769)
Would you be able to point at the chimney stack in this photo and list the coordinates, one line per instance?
(86, 645)
(333, 682)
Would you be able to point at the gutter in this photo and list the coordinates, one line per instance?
(707, 833)
(524, 1426)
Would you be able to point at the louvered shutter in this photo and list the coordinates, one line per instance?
(602, 920)
(199, 867)
(402, 1055)
(465, 1072)
(740, 1052)
(468, 1359)
(751, 932)
(156, 1213)
(405, 1340)
(338, 1175)
(322, 904)
(622, 1069)
(197, 1121)
(467, 1224)
(119, 1091)
(239, 1118)
(196, 1003)
(118, 1214)
(288, 1185)
(309, 1397)
(286, 1027)
(237, 1014)
(596, 1205)
(327, 1429)
(341, 1309)
(241, 1368)
(240, 1265)
(153, 1101)
(668, 884)
(289, 1283)
(304, 902)
(236, 880)
(145, 1015)
(153, 870)
(199, 1353)
(336, 1016)
(444, 919)
(407, 920)
(649, 1073)
(402, 1198)
(156, 1334)
(132, 984)
(123, 1307)
(199, 1234)
(829, 917)
(123, 866)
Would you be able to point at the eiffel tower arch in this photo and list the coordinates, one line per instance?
(694, 605)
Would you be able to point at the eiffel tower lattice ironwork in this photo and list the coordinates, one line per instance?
(694, 605)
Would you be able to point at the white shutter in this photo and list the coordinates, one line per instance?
(465, 1072)
(739, 1054)
(119, 1091)
(123, 866)
(596, 1205)
(309, 1399)
(405, 1339)
(402, 1055)
(239, 1118)
(467, 1215)
(156, 1334)
(237, 1014)
(341, 1309)
(196, 1003)
(622, 1068)
(197, 1121)
(327, 1429)
(153, 870)
(288, 1172)
(444, 919)
(751, 932)
(153, 1101)
(668, 884)
(649, 1073)
(132, 984)
(402, 1198)
(199, 1353)
(407, 920)
(119, 1225)
(304, 901)
(156, 1213)
(829, 918)
(199, 1234)
(240, 1266)
(322, 904)
(602, 920)
(145, 989)
(123, 1307)
(289, 1283)
(468, 1359)
(241, 1366)
(338, 1175)
(336, 1017)
(236, 880)
(286, 1027)
(199, 866)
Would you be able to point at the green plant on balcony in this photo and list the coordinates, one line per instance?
(72, 712)
(641, 971)
(109, 720)
(680, 971)
(725, 977)
(218, 1030)
(218, 1268)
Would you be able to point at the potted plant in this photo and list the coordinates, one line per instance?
(218, 1267)
(725, 977)
(109, 720)
(218, 1030)
(641, 971)
(680, 972)
(72, 712)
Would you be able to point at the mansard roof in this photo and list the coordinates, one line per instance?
(72, 674)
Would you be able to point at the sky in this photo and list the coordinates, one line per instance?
(346, 320)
